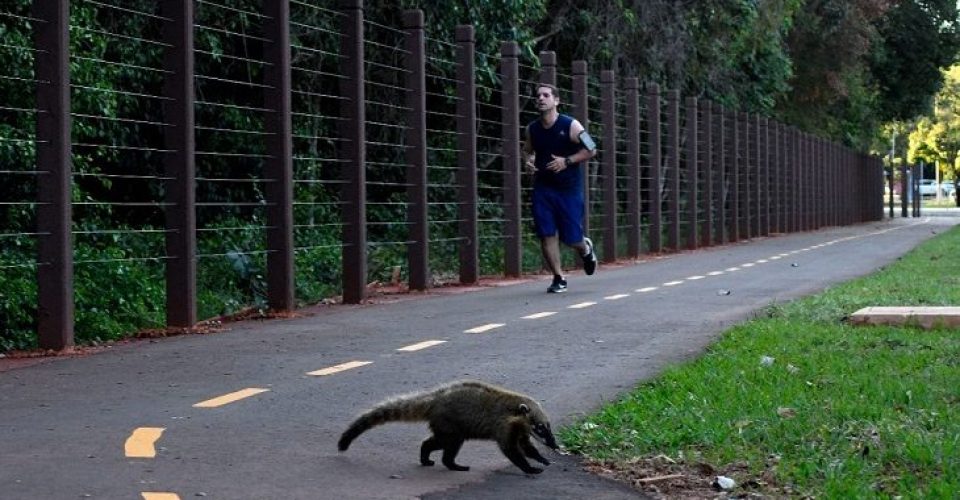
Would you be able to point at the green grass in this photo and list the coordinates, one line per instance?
(842, 412)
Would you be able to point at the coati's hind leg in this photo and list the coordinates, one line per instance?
(513, 453)
(451, 446)
(430, 445)
(511, 447)
(532, 452)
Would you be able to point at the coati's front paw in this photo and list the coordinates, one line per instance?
(426, 462)
(533, 470)
(542, 460)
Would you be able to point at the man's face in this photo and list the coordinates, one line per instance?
(545, 99)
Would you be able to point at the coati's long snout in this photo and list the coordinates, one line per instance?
(465, 410)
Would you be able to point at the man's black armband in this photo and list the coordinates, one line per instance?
(587, 141)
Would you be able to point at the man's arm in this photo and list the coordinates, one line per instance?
(576, 128)
(528, 153)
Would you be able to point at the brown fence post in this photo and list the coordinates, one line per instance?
(721, 182)
(804, 180)
(693, 156)
(279, 167)
(581, 101)
(768, 158)
(179, 164)
(512, 160)
(354, 153)
(746, 203)
(773, 179)
(656, 159)
(418, 248)
(796, 186)
(708, 165)
(783, 179)
(821, 189)
(734, 175)
(673, 180)
(810, 164)
(609, 162)
(890, 184)
(548, 67)
(55, 314)
(759, 170)
(467, 154)
(634, 243)
(763, 176)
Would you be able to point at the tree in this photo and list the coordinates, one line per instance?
(918, 38)
(831, 93)
(937, 136)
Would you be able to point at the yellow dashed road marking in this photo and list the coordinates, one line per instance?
(647, 289)
(484, 328)
(141, 442)
(421, 345)
(673, 283)
(617, 296)
(339, 368)
(582, 305)
(540, 315)
(153, 495)
(230, 398)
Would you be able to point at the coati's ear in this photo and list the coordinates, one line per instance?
(524, 409)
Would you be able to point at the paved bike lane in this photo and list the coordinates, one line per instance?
(64, 424)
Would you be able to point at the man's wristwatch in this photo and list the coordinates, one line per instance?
(567, 162)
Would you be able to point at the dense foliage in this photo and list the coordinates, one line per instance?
(935, 139)
(831, 67)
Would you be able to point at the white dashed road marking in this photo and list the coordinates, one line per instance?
(339, 368)
(540, 315)
(484, 328)
(582, 305)
(230, 398)
(421, 345)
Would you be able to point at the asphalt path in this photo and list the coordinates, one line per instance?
(142, 420)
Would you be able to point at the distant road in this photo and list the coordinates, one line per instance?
(255, 412)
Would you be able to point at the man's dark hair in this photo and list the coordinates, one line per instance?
(553, 89)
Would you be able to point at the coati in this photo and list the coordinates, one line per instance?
(464, 410)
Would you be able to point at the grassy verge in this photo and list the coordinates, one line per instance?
(798, 403)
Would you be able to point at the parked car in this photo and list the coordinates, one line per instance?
(947, 188)
(928, 187)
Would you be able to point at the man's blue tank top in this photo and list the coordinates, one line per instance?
(555, 141)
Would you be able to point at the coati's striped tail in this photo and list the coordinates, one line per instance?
(405, 409)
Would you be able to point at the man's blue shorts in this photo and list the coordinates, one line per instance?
(558, 211)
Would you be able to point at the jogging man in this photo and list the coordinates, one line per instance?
(556, 144)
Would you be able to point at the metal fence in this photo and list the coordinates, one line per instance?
(353, 143)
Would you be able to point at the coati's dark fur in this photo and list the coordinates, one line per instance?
(465, 410)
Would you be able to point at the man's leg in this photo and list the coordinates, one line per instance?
(585, 247)
(550, 248)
